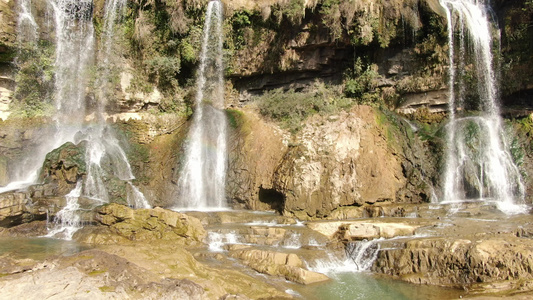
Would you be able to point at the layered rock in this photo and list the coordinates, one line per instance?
(462, 262)
(363, 230)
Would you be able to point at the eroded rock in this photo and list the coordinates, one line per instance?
(338, 163)
(143, 225)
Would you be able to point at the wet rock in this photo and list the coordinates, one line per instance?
(32, 229)
(64, 166)
(287, 265)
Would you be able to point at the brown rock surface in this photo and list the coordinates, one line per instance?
(257, 149)
(339, 162)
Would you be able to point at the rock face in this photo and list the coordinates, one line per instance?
(339, 161)
(143, 225)
(257, 149)
(7, 31)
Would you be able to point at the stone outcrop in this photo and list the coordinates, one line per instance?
(64, 166)
(142, 225)
(91, 274)
(462, 262)
(289, 266)
(339, 161)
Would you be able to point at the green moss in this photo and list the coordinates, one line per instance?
(97, 272)
(235, 118)
(35, 80)
(106, 289)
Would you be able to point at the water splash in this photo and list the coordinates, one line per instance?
(363, 253)
(67, 220)
(478, 162)
(136, 198)
(203, 176)
(292, 242)
(217, 240)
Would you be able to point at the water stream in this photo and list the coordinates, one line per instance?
(203, 175)
(478, 161)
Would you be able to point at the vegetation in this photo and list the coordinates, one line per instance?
(35, 80)
(292, 108)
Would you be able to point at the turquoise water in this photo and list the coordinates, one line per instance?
(354, 286)
(38, 248)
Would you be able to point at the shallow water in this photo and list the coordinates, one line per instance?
(38, 248)
(364, 285)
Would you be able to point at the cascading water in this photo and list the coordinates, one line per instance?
(102, 140)
(68, 220)
(26, 25)
(203, 176)
(478, 163)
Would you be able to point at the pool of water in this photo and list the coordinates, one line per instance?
(364, 285)
(38, 248)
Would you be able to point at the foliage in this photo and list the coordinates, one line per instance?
(360, 83)
(331, 13)
(235, 118)
(163, 70)
(294, 11)
(291, 108)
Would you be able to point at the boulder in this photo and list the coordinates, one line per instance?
(144, 225)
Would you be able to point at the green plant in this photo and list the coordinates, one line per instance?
(163, 70)
(35, 80)
(360, 83)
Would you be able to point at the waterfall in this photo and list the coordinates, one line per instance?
(363, 253)
(74, 40)
(479, 165)
(73, 32)
(203, 175)
(106, 139)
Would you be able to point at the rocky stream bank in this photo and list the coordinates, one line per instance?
(471, 249)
